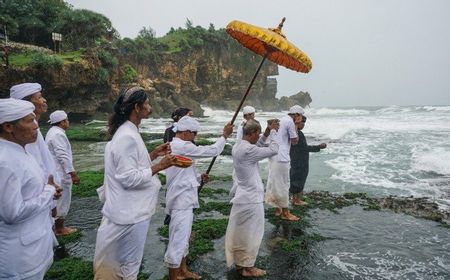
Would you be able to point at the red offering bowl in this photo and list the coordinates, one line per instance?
(182, 161)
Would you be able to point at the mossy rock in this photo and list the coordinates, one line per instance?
(89, 182)
(72, 268)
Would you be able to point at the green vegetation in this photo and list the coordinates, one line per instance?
(209, 192)
(86, 133)
(220, 206)
(62, 240)
(89, 182)
(37, 59)
(42, 60)
(203, 233)
(129, 74)
(151, 146)
(33, 21)
(72, 268)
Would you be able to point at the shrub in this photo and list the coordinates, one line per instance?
(46, 61)
(129, 74)
(102, 75)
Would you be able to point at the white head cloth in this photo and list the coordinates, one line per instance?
(57, 116)
(13, 109)
(187, 123)
(248, 110)
(296, 109)
(23, 90)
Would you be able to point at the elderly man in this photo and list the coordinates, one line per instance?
(61, 151)
(131, 188)
(246, 223)
(182, 193)
(249, 114)
(26, 236)
(277, 191)
(38, 149)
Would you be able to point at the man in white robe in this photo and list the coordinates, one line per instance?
(38, 149)
(246, 223)
(131, 187)
(249, 114)
(278, 183)
(26, 236)
(61, 151)
(182, 193)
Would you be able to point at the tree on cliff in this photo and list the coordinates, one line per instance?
(33, 21)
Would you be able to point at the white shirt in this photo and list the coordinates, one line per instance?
(41, 154)
(285, 133)
(239, 131)
(182, 183)
(61, 151)
(130, 189)
(246, 156)
(26, 235)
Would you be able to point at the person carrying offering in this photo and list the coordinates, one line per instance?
(182, 193)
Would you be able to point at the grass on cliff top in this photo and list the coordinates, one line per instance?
(26, 59)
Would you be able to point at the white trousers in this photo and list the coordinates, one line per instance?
(245, 231)
(63, 203)
(278, 183)
(180, 228)
(119, 250)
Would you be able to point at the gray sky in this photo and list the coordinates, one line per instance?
(364, 52)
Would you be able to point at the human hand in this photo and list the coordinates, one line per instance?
(227, 130)
(75, 178)
(205, 178)
(161, 150)
(323, 146)
(273, 124)
(58, 192)
(167, 161)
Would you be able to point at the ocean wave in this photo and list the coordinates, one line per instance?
(434, 108)
(436, 160)
(334, 111)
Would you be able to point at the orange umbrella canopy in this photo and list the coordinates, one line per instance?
(271, 43)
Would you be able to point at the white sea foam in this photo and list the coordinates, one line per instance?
(332, 111)
(436, 160)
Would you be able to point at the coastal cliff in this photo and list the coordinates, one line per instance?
(86, 82)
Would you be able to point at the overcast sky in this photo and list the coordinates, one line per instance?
(364, 52)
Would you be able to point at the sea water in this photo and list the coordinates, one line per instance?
(403, 151)
(382, 151)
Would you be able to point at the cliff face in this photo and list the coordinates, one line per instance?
(217, 77)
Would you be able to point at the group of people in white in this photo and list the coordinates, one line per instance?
(36, 176)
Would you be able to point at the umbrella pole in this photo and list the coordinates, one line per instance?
(237, 111)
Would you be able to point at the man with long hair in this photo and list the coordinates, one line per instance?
(131, 187)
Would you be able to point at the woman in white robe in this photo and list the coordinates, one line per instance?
(26, 236)
(246, 222)
(131, 187)
(182, 193)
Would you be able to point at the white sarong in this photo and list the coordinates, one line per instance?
(278, 183)
(244, 234)
(180, 228)
(119, 250)
(63, 203)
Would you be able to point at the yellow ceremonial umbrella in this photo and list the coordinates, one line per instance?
(270, 43)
